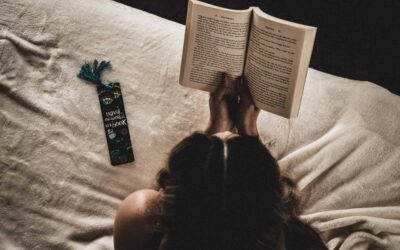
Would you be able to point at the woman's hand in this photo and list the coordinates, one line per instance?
(223, 109)
(247, 113)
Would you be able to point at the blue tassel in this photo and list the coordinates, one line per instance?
(92, 72)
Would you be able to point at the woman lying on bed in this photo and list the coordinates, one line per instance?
(221, 190)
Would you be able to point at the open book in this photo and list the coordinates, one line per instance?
(273, 54)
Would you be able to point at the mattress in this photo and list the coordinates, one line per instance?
(58, 189)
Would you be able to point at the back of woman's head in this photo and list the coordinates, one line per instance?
(224, 196)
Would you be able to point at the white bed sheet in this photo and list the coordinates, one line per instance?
(57, 187)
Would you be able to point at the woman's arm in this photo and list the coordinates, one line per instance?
(222, 109)
(247, 114)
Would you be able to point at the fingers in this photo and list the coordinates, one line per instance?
(221, 89)
(244, 92)
(232, 102)
(242, 87)
(222, 92)
(226, 80)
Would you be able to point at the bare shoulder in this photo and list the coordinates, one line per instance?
(140, 202)
(136, 218)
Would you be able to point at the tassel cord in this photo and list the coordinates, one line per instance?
(92, 73)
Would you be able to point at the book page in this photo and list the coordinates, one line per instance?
(215, 42)
(274, 60)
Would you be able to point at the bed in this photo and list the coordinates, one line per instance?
(57, 187)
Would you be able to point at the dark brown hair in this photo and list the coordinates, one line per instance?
(238, 203)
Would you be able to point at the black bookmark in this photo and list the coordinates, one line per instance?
(113, 111)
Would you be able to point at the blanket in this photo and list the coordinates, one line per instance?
(58, 189)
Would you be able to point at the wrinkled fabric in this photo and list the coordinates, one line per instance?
(57, 187)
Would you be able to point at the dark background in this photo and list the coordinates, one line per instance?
(357, 39)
